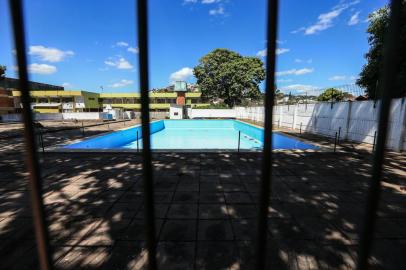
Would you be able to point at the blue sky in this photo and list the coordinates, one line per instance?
(84, 45)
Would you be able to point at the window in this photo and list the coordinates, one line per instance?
(67, 100)
(55, 100)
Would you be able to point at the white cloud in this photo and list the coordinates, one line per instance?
(43, 69)
(121, 83)
(299, 87)
(120, 63)
(341, 78)
(262, 53)
(309, 61)
(325, 20)
(294, 72)
(283, 80)
(354, 19)
(337, 78)
(210, 1)
(66, 85)
(202, 1)
(49, 54)
(217, 11)
(122, 44)
(133, 49)
(182, 74)
(282, 50)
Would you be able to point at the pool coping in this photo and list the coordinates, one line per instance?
(59, 147)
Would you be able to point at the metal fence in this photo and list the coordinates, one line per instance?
(39, 218)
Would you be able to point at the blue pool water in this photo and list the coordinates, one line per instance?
(192, 134)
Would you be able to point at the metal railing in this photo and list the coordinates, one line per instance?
(40, 222)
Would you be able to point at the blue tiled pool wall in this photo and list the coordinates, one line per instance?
(252, 131)
(118, 138)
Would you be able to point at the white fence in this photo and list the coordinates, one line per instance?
(357, 121)
(212, 113)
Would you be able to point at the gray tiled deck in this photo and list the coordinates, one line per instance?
(206, 208)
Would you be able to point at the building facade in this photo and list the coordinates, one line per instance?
(6, 101)
(47, 101)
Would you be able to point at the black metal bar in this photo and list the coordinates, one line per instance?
(335, 142)
(37, 204)
(386, 84)
(265, 191)
(300, 129)
(138, 142)
(42, 142)
(142, 16)
(339, 134)
(239, 137)
(374, 142)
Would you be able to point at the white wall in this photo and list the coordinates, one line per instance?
(212, 113)
(176, 112)
(82, 116)
(357, 120)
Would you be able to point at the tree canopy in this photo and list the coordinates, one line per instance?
(224, 74)
(2, 72)
(369, 76)
(332, 94)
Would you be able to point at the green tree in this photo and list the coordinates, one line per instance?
(369, 76)
(2, 72)
(228, 75)
(332, 94)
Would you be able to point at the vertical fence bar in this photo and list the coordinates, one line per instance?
(42, 141)
(37, 204)
(138, 142)
(272, 27)
(374, 142)
(386, 85)
(142, 16)
(338, 136)
(239, 138)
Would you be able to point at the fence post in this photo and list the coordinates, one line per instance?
(295, 115)
(300, 129)
(339, 133)
(335, 142)
(348, 120)
(83, 130)
(239, 137)
(401, 126)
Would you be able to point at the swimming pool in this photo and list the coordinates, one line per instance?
(192, 134)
